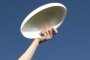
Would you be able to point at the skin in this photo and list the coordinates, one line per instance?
(46, 34)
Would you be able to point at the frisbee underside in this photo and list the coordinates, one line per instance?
(44, 18)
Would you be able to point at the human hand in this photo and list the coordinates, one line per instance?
(47, 34)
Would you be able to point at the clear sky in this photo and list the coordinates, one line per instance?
(71, 43)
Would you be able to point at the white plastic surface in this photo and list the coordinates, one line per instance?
(52, 14)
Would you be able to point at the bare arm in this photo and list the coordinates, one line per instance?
(46, 34)
(30, 51)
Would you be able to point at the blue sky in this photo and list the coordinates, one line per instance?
(71, 43)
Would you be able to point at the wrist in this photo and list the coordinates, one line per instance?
(38, 40)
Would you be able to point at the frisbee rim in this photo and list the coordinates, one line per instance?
(30, 15)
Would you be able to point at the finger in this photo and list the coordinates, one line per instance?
(41, 33)
(47, 32)
(54, 30)
(44, 33)
(50, 32)
(43, 36)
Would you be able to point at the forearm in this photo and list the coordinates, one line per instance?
(30, 51)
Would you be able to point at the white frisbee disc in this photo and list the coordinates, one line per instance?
(48, 15)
